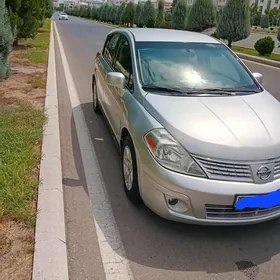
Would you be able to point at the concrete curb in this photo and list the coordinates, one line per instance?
(259, 60)
(50, 256)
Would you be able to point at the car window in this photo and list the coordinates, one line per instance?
(110, 48)
(191, 66)
(123, 61)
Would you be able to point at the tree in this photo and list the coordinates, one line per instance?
(76, 11)
(13, 7)
(218, 14)
(5, 42)
(265, 21)
(120, 13)
(273, 14)
(149, 14)
(93, 13)
(113, 13)
(88, 12)
(278, 34)
(160, 13)
(173, 5)
(129, 13)
(137, 16)
(202, 16)
(98, 12)
(255, 14)
(103, 13)
(117, 16)
(49, 8)
(108, 12)
(25, 17)
(234, 24)
(179, 15)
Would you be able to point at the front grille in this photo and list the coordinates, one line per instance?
(226, 171)
(220, 212)
(277, 169)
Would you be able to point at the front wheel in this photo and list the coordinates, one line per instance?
(129, 171)
(95, 103)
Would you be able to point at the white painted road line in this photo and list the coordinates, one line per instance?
(115, 263)
(50, 256)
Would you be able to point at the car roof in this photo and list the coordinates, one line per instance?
(168, 35)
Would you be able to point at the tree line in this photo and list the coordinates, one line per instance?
(271, 17)
(19, 19)
(233, 22)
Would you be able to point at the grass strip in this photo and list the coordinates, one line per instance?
(273, 56)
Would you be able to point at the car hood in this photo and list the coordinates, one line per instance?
(232, 127)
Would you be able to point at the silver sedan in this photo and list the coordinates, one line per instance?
(198, 133)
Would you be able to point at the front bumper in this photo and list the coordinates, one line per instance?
(201, 201)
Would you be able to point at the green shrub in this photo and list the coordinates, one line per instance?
(265, 46)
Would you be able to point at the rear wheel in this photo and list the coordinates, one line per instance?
(129, 171)
(95, 103)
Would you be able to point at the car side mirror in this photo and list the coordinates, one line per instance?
(116, 79)
(258, 77)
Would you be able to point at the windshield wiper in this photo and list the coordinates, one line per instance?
(221, 91)
(163, 89)
(211, 91)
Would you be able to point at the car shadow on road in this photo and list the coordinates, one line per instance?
(157, 243)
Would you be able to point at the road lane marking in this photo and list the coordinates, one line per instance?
(115, 263)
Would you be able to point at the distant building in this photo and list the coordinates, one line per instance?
(55, 3)
(95, 3)
(69, 4)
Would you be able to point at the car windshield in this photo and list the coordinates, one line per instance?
(192, 66)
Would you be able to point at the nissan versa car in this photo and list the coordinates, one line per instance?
(199, 135)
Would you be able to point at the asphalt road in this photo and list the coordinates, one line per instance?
(156, 249)
(251, 40)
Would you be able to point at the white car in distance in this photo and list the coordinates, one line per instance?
(63, 16)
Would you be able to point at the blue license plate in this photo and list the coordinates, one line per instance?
(263, 201)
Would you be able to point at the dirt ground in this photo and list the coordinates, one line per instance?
(16, 250)
(20, 86)
(17, 239)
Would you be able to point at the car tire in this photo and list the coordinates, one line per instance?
(95, 102)
(129, 163)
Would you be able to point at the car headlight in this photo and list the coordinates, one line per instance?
(169, 153)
